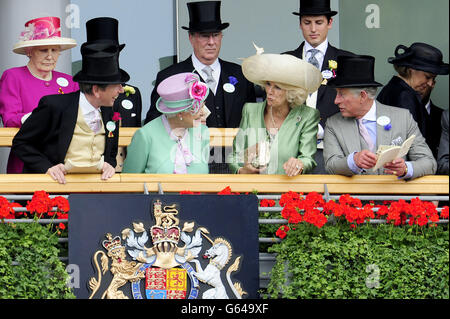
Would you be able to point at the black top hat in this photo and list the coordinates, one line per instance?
(204, 16)
(100, 65)
(354, 71)
(420, 56)
(315, 8)
(103, 29)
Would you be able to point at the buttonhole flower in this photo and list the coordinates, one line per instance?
(232, 80)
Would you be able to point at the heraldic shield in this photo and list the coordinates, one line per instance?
(164, 261)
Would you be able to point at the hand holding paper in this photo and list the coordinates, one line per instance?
(388, 153)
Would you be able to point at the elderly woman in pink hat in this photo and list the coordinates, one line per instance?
(176, 142)
(21, 88)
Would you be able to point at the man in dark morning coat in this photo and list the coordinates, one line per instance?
(69, 126)
(230, 89)
(129, 103)
(315, 22)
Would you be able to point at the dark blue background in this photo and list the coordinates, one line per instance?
(233, 217)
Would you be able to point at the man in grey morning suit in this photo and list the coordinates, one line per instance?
(353, 135)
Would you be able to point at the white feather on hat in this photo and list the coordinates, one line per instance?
(289, 72)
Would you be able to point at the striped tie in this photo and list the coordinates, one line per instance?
(365, 135)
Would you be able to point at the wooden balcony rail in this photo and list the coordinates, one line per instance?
(264, 184)
(218, 136)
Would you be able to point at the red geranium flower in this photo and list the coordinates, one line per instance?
(444, 212)
(61, 203)
(282, 231)
(267, 203)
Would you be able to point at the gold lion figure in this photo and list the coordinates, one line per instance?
(122, 270)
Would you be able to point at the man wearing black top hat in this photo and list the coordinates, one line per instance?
(76, 132)
(129, 103)
(353, 136)
(230, 89)
(417, 67)
(315, 22)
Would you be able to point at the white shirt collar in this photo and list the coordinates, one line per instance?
(428, 107)
(372, 114)
(199, 66)
(321, 47)
(86, 107)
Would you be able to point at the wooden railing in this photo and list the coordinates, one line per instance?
(134, 183)
(264, 184)
(218, 136)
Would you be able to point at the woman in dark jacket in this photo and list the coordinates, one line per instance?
(417, 68)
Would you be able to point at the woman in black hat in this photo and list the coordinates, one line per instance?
(417, 68)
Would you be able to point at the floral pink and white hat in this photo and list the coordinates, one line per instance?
(40, 32)
(181, 92)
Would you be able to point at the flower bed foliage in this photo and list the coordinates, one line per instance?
(29, 263)
(406, 257)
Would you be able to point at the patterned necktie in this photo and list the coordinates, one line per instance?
(365, 135)
(312, 59)
(210, 79)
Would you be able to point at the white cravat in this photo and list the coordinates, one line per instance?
(91, 114)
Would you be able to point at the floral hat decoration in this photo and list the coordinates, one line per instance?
(181, 92)
(41, 32)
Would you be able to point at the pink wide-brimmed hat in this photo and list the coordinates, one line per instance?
(181, 92)
(41, 32)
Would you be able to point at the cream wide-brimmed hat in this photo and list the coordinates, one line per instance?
(289, 72)
(41, 32)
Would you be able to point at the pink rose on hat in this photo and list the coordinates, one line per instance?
(198, 90)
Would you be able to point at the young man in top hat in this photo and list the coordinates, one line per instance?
(76, 130)
(353, 136)
(315, 22)
(230, 90)
(129, 103)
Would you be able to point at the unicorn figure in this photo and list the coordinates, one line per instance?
(219, 254)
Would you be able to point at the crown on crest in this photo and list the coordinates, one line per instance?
(112, 243)
(161, 234)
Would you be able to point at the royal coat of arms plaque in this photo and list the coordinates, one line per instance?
(165, 246)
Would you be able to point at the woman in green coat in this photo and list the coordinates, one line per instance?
(278, 135)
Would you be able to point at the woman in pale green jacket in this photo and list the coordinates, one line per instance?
(177, 142)
(278, 135)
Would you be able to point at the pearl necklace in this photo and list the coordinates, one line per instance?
(39, 77)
